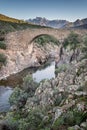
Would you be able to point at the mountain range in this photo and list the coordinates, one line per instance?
(81, 24)
(59, 23)
(50, 23)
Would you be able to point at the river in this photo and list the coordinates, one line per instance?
(46, 71)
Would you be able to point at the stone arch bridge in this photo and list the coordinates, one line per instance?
(20, 40)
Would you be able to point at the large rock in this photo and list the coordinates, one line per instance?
(4, 125)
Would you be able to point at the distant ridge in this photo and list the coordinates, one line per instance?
(39, 21)
(50, 23)
(81, 24)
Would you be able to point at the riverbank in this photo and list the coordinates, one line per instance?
(46, 71)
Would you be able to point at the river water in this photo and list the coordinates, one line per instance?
(46, 71)
(5, 93)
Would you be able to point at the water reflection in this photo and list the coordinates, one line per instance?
(46, 73)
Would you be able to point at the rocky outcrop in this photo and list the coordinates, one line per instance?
(60, 104)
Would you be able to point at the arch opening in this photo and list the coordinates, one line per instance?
(45, 38)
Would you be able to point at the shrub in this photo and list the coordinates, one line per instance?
(72, 41)
(2, 45)
(71, 128)
(11, 121)
(15, 95)
(18, 97)
(57, 97)
(73, 117)
(2, 59)
(70, 118)
(61, 68)
(58, 123)
(42, 40)
(29, 85)
(2, 32)
(35, 119)
(32, 121)
(84, 48)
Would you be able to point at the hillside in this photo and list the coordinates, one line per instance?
(9, 19)
(8, 24)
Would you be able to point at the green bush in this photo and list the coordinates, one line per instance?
(71, 128)
(11, 121)
(15, 95)
(2, 45)
(73, 117)
(2, 32)
(61, 68)
(25, 120)
(72, 41)
(84, 48)
(2, 59)
(29, 85)
(18, 97)
(58, 123)
(42, 40)
(70, 118)
(32, 121)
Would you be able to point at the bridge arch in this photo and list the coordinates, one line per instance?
(52, 37)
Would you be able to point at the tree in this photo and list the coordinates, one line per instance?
(84, 48)
(73, 43)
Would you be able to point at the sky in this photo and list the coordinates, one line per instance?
(51, 9)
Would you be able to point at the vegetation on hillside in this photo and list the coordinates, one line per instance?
(6, 27)
(8, 24)
(9, 19)
(2, 59)
(2, 45)
(72, 41)
(2, 56)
